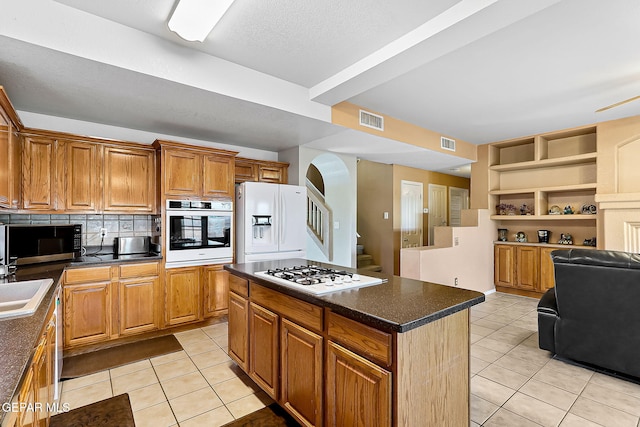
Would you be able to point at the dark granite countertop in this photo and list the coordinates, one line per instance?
(20, 335)
(398, 305)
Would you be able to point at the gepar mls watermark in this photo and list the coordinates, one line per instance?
(53, 408)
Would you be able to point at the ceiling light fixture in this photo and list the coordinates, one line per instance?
(193, 20)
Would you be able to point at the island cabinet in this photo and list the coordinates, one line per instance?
(191, 172)
(10, 154)
(195, 293)
(239, 321)
(260, 171)
(107, 302)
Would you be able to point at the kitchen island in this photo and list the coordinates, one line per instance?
(395, 353)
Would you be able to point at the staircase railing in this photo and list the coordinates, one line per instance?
(319, 220)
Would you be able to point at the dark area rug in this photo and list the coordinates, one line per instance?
(270, 416)
(115, 411)
(89, 363)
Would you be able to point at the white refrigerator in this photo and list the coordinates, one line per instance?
(271, 221)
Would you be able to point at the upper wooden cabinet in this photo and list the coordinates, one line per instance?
(63, 172)
(129, 179)
(196, 172)
(9, 154)
(261, 171)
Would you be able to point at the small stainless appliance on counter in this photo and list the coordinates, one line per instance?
(131, 247)
(31, 244)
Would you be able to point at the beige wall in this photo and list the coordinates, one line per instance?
(405, 173)
(375, 196)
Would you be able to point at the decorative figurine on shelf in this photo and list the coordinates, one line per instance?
(521, 237)
(506, 209)
(525, 210)
(590, 242)
(565, 239)
(568, 210)
(588, 209)
(502, 234)
(555, 210)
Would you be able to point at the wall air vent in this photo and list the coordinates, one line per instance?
(447, 143)
(371, 120)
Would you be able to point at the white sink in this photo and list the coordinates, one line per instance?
(22, 298)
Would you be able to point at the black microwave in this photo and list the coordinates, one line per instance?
(30, 244)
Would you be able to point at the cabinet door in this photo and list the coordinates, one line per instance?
(547, 277)
(239, 330)
(218, 176)
(274, 174)
(245, 171)
(41, 382)
(263, 348)
(216, 290)
(358, 393)
(183, 295)
(301, 370)
(138, 308)
(26, 399)
(504, 265)
(182, 173)
(81, 176)
(39, 173)
(9, 166)
(527, 258)
(129, 180)
(87, 313)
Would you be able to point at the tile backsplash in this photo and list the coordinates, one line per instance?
(116, 225)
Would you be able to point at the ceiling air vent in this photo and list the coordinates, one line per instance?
(447, 143)
(371, 120)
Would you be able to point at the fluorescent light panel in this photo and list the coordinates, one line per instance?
(193, 20)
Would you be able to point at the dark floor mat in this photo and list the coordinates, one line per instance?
(270, 416)
(115, 411)
(89, 363)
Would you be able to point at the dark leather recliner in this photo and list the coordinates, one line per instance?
(592, 315)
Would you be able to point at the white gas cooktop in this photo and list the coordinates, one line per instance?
(318, 280)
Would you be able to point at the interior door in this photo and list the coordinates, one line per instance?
(437, 208)
(458, 200)
(411, 209)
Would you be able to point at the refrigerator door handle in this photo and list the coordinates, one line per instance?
(283, 219)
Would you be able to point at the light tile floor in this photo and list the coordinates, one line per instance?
(513, 382)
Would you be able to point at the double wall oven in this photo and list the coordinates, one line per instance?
(198, 233)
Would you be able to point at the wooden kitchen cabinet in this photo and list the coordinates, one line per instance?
(87, 313)
(260, 171)
(106, 302)
(182, 295)
(527, 267)
(129, 179)
(80, 168)
(215, 290)
(504, 265)
(39, 191)
(196, 172)
(139, 298)
(358, 391)
(239, 330)
(10, 154)
(547, 278)
(301, 373)
(263, 349)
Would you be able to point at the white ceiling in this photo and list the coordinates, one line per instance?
(475, 70)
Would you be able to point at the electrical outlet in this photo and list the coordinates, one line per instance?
(455, 281)
(103, 232)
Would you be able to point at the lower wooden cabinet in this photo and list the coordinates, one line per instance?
(239, 330)
(196, 293)
(183, 295)
(301, 373)
(263, 349)
(87, 313)
(525, 267)
(358, 391)
(106, 302)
